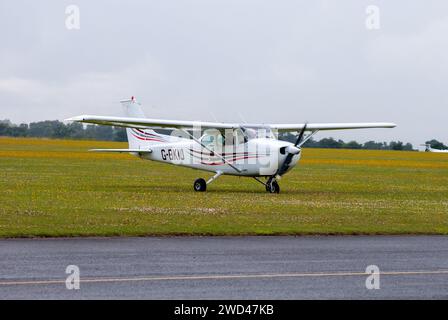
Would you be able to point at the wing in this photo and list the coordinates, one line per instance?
(332, 126)
(143, 123)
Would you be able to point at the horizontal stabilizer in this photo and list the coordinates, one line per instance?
(122, 150)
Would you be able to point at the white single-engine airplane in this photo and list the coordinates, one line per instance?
(239, 149)
(429, 149)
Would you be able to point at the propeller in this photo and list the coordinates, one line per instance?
(292, 151)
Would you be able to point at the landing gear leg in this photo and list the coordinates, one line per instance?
(216, 176)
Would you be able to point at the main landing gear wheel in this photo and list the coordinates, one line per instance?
(272, 186)
(200, 185)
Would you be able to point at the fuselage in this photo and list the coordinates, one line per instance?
(254, 158)
(436, 150)
(429, 149)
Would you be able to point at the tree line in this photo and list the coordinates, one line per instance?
(59, 130)
(436, 144)
(340, 144)
(77, 131)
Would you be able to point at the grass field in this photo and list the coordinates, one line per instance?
(56, 188)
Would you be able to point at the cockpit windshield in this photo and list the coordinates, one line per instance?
(258, 133)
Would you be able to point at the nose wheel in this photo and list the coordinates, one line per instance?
(272, 186)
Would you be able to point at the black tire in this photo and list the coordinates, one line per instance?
(273, 187)
(200, 185)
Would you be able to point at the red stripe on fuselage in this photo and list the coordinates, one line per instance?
(147, 139)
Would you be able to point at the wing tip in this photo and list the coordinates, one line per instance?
(390, 125)
(75, 119)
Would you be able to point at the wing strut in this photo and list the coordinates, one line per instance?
(308, 137)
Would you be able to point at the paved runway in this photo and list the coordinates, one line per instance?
(226, 267)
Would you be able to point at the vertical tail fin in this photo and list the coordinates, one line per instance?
(138, 139)
(132, 108)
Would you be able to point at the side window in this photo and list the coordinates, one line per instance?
(239, 137)
(208, 140)
(212, 139)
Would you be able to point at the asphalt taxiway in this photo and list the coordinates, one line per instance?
(330, 267)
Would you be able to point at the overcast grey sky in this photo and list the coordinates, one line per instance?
(227, 60)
